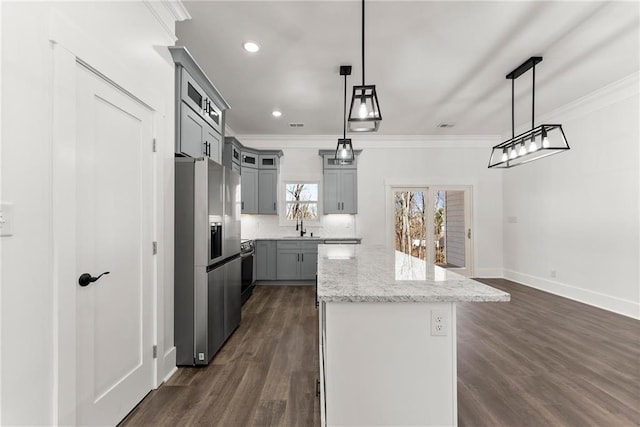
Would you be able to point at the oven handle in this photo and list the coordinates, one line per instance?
(247, 254)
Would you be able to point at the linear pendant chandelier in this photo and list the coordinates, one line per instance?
(536, 143)
(344, 150)
(364, 114)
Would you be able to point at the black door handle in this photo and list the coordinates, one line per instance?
(86, 279)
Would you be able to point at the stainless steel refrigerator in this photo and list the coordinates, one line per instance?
(208, 273)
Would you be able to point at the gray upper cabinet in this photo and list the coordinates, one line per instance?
(212, 144)
(340, 186)
(231, 154)
(268, 161)
(268, 191)
(248, 159)
(197, 137)
(199, 109)
(259, 176)
(249, 190)
(192, 131)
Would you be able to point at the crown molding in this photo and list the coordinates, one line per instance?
(167, 13)
(372, 141)
(610, 94)
(177, 9)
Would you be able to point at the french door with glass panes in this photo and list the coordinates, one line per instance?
(433, 224)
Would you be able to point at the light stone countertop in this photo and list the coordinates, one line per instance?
(360, 273)
(305, 238)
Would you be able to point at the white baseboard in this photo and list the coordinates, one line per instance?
(169, 364)
(488, 273)
(617, 305)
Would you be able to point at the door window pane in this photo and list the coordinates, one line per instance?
(449, 229)
(409, 216)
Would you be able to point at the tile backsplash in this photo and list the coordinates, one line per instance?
(268, 226)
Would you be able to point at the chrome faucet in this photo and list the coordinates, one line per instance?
(302, 230)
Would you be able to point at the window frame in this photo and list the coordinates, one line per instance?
(283, 212)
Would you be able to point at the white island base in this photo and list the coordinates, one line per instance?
(385, 366)
(388, 337)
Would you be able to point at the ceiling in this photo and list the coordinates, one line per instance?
(432, 62)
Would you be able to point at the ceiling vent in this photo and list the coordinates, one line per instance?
(296, 125)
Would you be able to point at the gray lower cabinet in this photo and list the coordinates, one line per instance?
(297, 260)
(340, 191)
(249, 182)
(266, 260)
(268, 191)
(308, 260)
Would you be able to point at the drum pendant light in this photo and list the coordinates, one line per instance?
(514, 151)
(364, 114)
(344, 150)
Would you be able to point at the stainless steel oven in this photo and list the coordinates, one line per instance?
(247, 254)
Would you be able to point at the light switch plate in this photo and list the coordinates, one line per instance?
(6, 219)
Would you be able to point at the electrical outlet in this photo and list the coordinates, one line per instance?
(439, 322)
(6, 219)
(553, 273)
(200, 356)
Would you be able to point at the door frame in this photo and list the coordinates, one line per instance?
(468, 213)
(64, 200)
(430, 184)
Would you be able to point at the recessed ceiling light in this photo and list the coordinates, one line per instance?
(251, 46)
(276, 113)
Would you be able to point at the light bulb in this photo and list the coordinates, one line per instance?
(362, 112)
(513, 154)
(545, 140)
(343, 152)
(504, 156)
(533, 146)
(522, 151)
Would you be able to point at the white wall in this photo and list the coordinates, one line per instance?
(576, 214)
(406, 160)
(123, 40)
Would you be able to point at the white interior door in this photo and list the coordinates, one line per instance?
(114, 234)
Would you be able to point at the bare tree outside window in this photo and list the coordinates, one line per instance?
(439, 227)
(410, 230)
(301, 201)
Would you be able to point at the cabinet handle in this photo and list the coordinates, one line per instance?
(298, 257)
(338, 205)
(274, 206)
(242, 205)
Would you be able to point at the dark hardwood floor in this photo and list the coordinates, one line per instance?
(543, 360)
(539, 360)
(264, 375)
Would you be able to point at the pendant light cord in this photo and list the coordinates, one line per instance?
(344, 111)
(533, 96)
(513, 114)
(362, 42)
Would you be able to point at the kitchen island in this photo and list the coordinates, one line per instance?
(388, 337)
